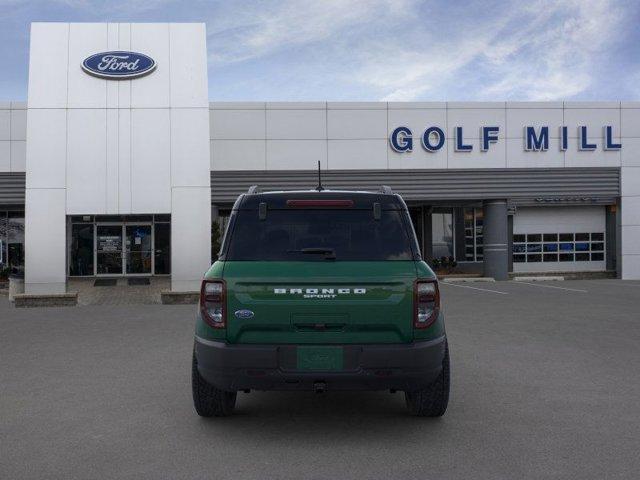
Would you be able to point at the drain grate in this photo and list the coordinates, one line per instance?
(138, 281)
(105, 282)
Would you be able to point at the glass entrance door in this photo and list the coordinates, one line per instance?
(109, 249)
(139, 249)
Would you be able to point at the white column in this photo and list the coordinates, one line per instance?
(630, 223)
(45, 240)
(190, 237)
(630, 191)
(190, 198)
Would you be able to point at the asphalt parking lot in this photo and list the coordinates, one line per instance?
(546, 384)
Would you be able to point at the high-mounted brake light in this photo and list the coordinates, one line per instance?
(212, 303)
(426, 303)
(320, 203)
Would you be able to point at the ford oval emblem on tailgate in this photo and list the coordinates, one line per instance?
(244, 314)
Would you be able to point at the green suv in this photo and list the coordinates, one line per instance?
(320, 290)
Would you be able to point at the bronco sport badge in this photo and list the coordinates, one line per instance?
(319, 292)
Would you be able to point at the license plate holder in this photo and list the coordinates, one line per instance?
(320, 358)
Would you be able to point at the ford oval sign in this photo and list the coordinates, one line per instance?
(244, 314)
(118, 65)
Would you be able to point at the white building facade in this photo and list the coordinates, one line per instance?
(123, 176)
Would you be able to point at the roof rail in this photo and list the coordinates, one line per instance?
(252, 189)
(386, 190)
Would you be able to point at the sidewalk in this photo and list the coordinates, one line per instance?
(120, 294)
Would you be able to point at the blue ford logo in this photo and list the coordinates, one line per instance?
(244, 314)
(118, 65)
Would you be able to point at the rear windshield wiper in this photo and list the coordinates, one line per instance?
(329, 253)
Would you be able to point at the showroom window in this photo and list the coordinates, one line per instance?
(120, 245)
(11, 241)
(558, 247)
(442, 232)
(473, 233)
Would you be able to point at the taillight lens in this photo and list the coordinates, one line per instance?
(426, 303)
(212, 303)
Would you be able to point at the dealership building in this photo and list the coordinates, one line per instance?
(118, 164)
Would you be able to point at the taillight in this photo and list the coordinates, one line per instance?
(426, 303)
(212, 303)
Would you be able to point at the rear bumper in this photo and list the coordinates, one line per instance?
(406, 367)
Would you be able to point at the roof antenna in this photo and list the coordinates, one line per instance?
(320, 188)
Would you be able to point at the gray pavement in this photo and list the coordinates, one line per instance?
(546, 384)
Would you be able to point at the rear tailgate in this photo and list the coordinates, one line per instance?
(319, 302)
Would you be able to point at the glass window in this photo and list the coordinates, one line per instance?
(162, 248)
(519, 258)
(519, 238)
(442, 234)
(138, 218)
(469, 237)
(582, 247)
(571, 246)
(109, 249)
(82, 219)
(109, 218)
(566, 247)
(81, 250)
(479, 231)
(3, 239)
(138, 242)
(534, 258)
(310, 235)
(15, 241)
(597, 257)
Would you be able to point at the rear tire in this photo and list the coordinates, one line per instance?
(432, 401)
(208, 400)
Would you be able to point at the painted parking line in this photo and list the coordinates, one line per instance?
(617, 283)
(537, 284)
(473, 288)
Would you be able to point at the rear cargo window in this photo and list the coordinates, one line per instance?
(315, 235)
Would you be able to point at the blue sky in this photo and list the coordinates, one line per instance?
(378, 49)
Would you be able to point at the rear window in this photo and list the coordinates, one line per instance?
(315, 235)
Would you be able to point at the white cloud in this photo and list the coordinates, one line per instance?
(555, 59)
(255, 32)
(545, 51)
(407, 50)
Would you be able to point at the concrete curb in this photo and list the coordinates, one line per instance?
(26, 300)
(179, 298)
(550, 278)
(468, 279)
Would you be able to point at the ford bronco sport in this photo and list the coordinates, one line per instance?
(320, 290)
